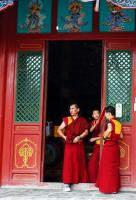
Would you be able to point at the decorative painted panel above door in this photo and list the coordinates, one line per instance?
(113, 18)
(74, 16)
(34, 16)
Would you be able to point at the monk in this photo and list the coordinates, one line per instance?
(93, 161)
(74, 164)
(108, 179)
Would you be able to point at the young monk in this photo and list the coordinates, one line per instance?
(93, 162)
(74, 165)
(108, 177)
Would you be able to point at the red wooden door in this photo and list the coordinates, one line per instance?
(23, 162)
(119, 86)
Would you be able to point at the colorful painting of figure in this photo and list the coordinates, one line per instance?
(74, 16)
(115, 19)
(34, 16)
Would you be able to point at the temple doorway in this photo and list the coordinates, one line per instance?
(74, 75)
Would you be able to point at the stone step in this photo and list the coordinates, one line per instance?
(59, 186)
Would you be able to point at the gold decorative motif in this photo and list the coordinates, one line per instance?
(25, 154)
(124, 153)
(25, 151)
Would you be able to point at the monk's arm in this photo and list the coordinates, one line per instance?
(60, 130)
(94, 139)
(84, 134)
(81, 136)
(94, 126)
(108, 131)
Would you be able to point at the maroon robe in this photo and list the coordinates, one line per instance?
(93, 161)
(108, 179)
(74, 165)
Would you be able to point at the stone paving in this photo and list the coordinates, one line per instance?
(55, 194)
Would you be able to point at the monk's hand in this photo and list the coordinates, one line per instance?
(92, 139)
(76, 139)
(65, 138)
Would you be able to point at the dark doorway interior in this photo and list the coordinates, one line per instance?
(74, 75)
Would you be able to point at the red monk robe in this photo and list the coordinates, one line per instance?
(93, 162)
(108, 179)
(74, 166)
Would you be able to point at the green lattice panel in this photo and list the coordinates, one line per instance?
(119, 78)
(27, 108)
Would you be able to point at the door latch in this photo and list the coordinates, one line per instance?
(118, 110)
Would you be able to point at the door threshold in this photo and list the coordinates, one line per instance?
(59, 186)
